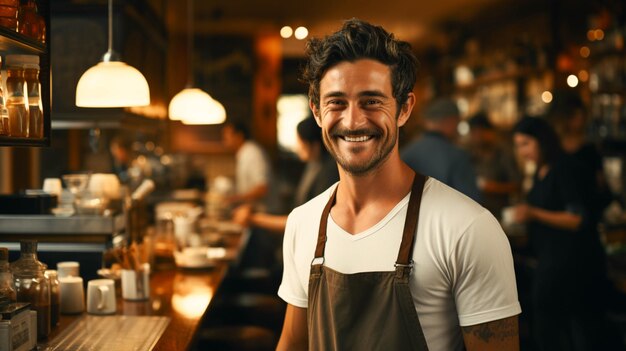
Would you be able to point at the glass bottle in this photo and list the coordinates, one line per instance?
(30, 23)
(55, 296)
(7, 286)
(32, 286)
(15, 97)
(33, 93)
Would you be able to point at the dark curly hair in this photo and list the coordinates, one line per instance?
(361, 40)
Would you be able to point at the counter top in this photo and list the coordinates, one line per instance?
(182, 295)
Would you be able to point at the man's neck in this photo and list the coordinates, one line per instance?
(362, 201)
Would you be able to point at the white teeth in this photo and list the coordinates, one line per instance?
(357, 138)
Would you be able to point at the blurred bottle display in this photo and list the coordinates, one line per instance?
(30, 22)
(7, 285)
(16, 102)
(33, 93)
(9, 13)
(32, 286)
(4, 113)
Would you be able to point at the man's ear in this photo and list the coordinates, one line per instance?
(405, 109)
(316, 113)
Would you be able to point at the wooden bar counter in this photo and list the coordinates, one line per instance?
(182, 295)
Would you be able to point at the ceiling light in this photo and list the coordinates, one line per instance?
(286, 32)
(112, 83)
(572, 81)
(192, 105)
(301, 33)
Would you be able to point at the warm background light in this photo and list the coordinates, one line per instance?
(301, 33)
(112, 84)
(572, 81)
(546, 97)
(286, 32)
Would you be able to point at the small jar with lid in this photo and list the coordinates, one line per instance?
(16, 102)
(32, 286)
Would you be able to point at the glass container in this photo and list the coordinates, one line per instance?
(33, 92)
(32, 286)
(16, 102)
(7, 286)
(55, 297)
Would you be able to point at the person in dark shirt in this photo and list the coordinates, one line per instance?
(567, 313)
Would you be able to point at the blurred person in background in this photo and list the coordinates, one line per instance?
(567, 311)
(568, 115)
(252, 173)
(122, 155)
(252, 181)
(499, 178)
(319, 174)
(435, 154)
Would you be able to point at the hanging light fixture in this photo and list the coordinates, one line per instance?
(192, 105)
(111, 82)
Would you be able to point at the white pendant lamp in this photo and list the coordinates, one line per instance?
(112, 83)
(193, 105)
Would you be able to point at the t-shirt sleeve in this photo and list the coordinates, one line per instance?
(291, 289)
(258, 167)
(483, 278)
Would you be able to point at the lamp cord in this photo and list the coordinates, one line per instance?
(110, 25)
(190, 43)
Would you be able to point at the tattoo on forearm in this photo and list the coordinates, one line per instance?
(496, 330)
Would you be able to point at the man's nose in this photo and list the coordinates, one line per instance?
(354, 117)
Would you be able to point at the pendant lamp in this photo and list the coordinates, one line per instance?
(192, 105)
(111, 82)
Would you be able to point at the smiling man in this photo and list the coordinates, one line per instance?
(387, 259)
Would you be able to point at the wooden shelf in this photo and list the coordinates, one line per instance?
(14, 141)
(12, 42)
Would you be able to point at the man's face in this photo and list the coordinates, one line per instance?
(230, 137)
(358, 114)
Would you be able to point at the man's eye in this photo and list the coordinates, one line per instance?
(372, 102)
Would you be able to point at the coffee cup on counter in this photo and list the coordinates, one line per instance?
(136, 283)
(68, 269)
(101, 296)
(72, 295)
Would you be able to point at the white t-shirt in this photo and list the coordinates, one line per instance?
(252, 167)
(463, 273)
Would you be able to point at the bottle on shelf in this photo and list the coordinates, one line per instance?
(9, 13)
(16, 102)
(33, 92)
(4, 113)
(31, 23)
(32, 286)
(7, 286)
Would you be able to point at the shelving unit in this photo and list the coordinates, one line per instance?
(12, 42)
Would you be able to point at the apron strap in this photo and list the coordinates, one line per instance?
(321, 237)
(410, 224)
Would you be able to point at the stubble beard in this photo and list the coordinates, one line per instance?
(364, 167)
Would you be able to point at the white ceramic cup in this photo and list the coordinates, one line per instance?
(508, 215)
(52, 186)
(72, 295)
(68, 269)
(136, 284)
(101, 296)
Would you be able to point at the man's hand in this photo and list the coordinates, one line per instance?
(500, 335)
(242, 215)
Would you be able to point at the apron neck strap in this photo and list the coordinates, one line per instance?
(321, 236)
(410, 224)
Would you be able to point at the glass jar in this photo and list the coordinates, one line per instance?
(33, 93)
(32, 286)
(55, 297)
(7, 286)
(8, 14)
(15, 97)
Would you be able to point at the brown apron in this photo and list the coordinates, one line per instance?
(369, 310)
